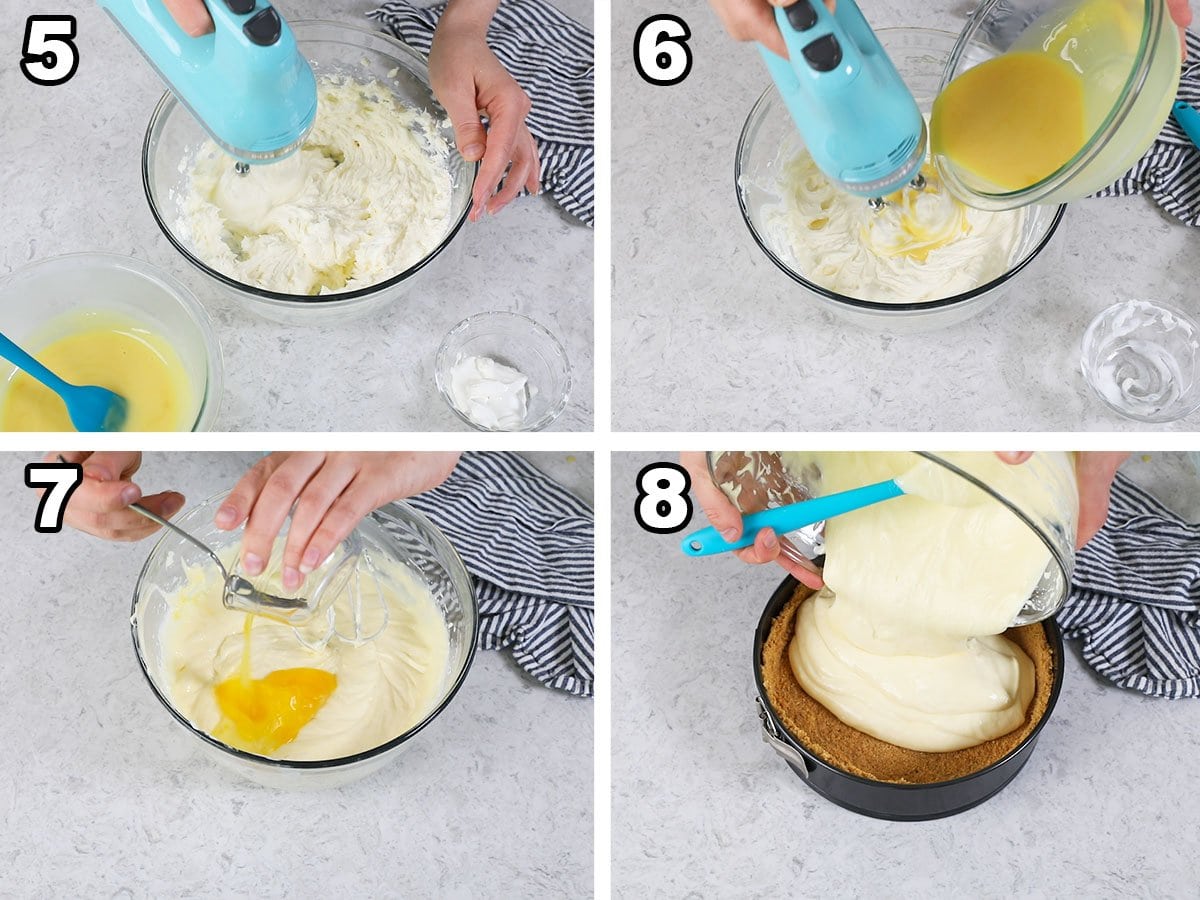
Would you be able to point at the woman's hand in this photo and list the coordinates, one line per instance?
(1181, 12)
(724, 516)
(469, 80)
(752, 20)
(100, 505)
(331, 492)
(191, 15)
(1094, 472)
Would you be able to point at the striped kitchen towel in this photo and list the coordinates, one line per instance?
(529, 544)
(1135, 597)
(552, 57)
(1170, 170)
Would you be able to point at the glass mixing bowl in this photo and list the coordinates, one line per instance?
(332, 48)
(1128, 56)
(1049, 505)
(769, 139)
(37, 304)
(516, 341)
(396, 532)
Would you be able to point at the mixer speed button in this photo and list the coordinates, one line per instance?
(801, 15)
(824, 54)
(264, 28)
(240, 7)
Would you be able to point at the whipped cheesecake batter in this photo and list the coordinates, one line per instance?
(923, 245)
(250, 682)
(904, 641)
(366, 197)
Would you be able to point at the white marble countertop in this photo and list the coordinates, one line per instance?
(709, 335)
(105, 795)
(702, 807)
(72, 182)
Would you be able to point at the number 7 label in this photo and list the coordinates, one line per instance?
(60, 480)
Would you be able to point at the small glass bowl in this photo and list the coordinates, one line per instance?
(332, 48)
(397, 532)
(1142, 359)
(1048, 491)
(35, 300)
(769, 139)
(520, 343)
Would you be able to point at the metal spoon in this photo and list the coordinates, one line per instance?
(234, 584)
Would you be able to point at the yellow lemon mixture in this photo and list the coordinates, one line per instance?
(111, 352)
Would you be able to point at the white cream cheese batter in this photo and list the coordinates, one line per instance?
(384, 686)
(366, 197)
(923, 245)
(904, 641)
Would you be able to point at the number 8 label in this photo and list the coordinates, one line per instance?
(663, 505)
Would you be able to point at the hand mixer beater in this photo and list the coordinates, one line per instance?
(857, 117)
(246, 83)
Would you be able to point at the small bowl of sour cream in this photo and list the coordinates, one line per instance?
(502, 371)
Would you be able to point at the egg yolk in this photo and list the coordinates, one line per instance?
(111, 353)
(1011, 121)
(262, 714)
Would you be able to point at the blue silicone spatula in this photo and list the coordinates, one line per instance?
(91, 408)
(1189, 120)
(708, 541)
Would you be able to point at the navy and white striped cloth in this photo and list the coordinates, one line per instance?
(1135, 597)
(1170, 169)
(530, 546)
(553, 58)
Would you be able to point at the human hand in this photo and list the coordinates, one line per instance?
(725, 517)
(100, 505)
(191, 15)
(752, 20)
(332, 493)
(1094, 473)
(1181, 12)
(468, 80)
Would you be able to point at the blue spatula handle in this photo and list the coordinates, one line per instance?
(708, 541)
(1189, 120)
(23, 360)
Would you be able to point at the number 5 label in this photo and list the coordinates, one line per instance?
(48, 56)
(60, 480)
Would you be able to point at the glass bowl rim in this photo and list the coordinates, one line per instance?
(168, 102)
(469, 602)
(440, 363)
(854, 302)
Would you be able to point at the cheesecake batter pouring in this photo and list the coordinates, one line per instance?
(904, 641)
(923, 245)
(366, 197)
(364, 695)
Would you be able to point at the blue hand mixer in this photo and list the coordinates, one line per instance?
(246, 83)
(857, 117)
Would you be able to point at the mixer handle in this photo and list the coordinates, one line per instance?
(820, 45)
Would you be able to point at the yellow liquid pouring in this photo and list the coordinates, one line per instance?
(115, 354)
(1011, 121)
(262, 714)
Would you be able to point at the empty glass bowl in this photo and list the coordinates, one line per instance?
(1041, 492)
(39, 301)
(769, 140)
(1143, 359)
(332, 48)
(520, 343)
(397, 533)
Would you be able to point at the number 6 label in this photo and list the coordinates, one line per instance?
(48, 56)
(660, 51)
(60, 480)
(663, 505)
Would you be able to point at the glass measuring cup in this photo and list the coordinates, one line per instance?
(756, 480)
(1127, 56)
